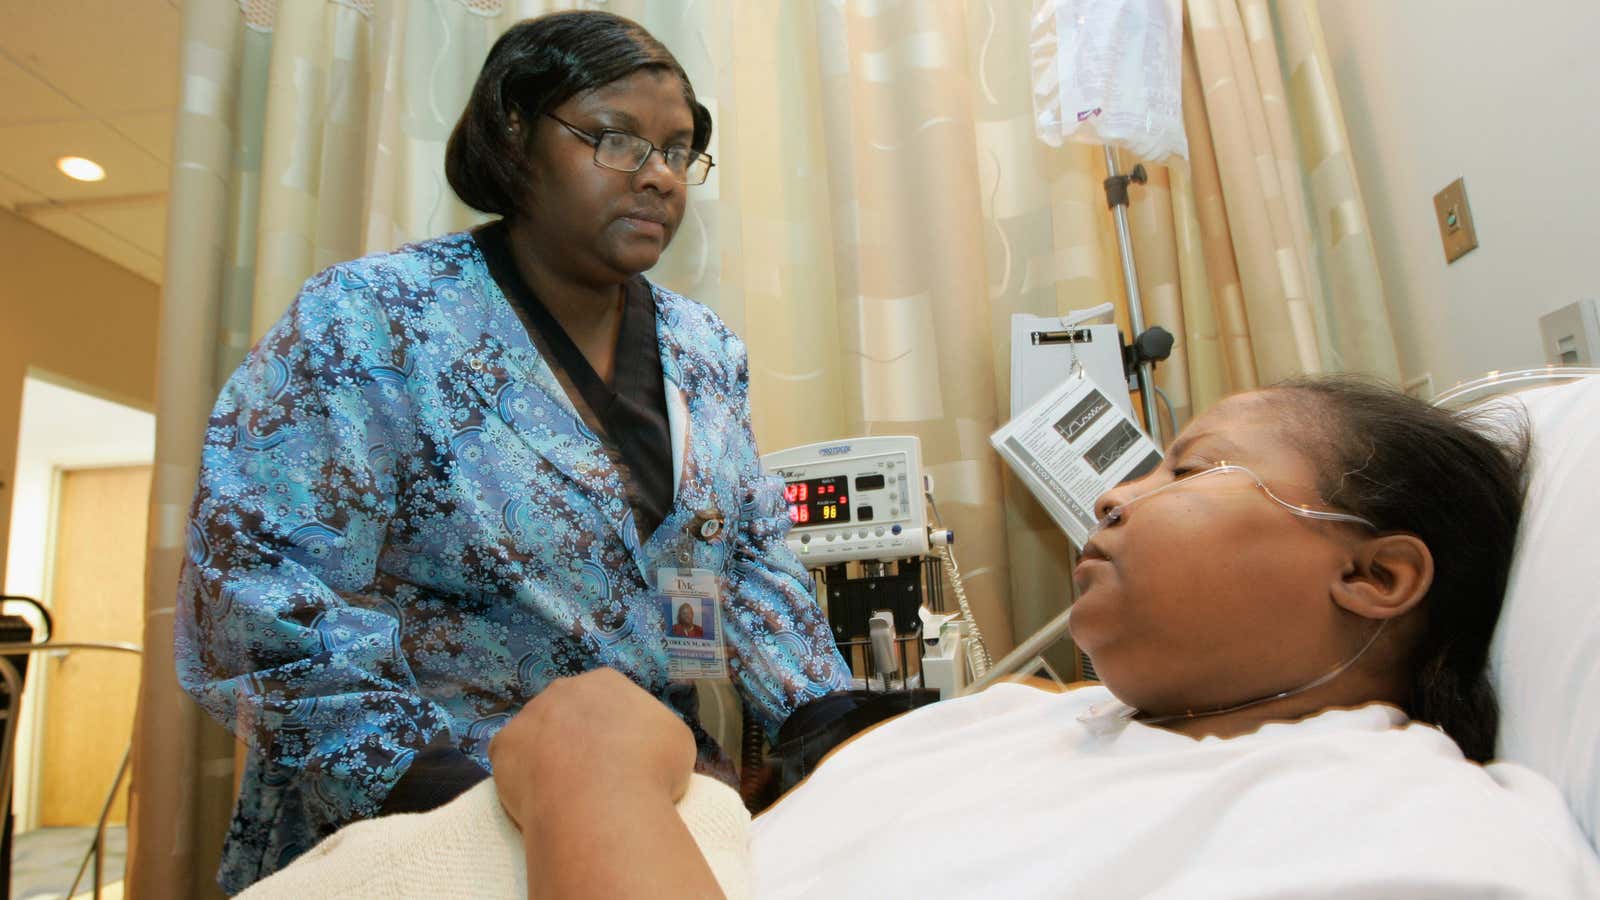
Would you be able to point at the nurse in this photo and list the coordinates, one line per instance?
(458, 471)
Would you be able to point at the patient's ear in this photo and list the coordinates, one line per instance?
(1387, 576)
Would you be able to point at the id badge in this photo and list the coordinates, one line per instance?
(692, 623)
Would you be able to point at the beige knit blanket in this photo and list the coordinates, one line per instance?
(470, 848)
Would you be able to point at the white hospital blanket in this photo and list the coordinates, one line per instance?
(470, 848)
(1006, 794)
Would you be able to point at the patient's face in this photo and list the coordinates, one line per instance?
(1211, 594)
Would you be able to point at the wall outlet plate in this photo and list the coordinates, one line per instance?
(1455, 221)
(1571, 334)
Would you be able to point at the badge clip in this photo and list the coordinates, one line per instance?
(707, 524)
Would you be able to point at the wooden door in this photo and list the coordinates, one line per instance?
(96, 594)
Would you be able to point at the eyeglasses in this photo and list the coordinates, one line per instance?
(626, 152)
(1118, 512)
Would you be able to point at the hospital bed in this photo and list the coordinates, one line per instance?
(1545, 667)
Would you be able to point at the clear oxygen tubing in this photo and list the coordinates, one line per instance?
(1127, 713)
(1316, 683)
(1061, 625)
(1116, 513)
(978, 652)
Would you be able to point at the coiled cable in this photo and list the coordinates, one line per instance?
(977, 650)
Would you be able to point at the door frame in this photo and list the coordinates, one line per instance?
(28, 782)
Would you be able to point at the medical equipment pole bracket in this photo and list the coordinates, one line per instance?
(1153, 345)
(1116, 185)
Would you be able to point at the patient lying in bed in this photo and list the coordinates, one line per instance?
(1292, 617)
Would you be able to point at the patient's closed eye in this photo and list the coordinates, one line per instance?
(1191, 467)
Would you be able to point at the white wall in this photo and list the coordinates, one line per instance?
(60, 428)
(1506, 95)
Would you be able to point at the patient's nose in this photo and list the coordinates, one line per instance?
(1125, 493)
(1112, 499)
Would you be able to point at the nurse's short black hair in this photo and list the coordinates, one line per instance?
(1454, 479)
(537, 65)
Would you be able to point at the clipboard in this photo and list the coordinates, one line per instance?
(1042, 351)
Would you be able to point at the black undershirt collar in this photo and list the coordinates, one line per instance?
(629, 415)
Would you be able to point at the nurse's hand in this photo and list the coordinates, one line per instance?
(592, 732)
(591, 771)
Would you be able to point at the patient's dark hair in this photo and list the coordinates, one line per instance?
(537, 65)
(1454, 479)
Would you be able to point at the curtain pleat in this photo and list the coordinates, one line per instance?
(182, 763)
(1356, 323)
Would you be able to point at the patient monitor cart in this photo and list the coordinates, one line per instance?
(858, 499)
(860, 523)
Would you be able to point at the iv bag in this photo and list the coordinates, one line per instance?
(1110, 72)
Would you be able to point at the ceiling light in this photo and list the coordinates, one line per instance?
(80, 169)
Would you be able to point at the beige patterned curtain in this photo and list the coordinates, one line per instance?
(880, 209)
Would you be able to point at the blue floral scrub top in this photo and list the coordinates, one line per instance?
(403, 531)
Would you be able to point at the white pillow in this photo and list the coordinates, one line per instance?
(1545, 660)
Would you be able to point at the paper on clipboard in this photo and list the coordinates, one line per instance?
(1071, 446)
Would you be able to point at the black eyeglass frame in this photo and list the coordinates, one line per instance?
(596, 139)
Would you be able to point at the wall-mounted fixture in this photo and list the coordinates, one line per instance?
(1455, 221)
(1572, 334)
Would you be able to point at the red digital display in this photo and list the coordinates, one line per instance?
(818, 501)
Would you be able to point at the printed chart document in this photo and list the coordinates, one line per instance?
(1070, 447)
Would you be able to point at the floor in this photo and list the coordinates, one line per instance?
(44, 861)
